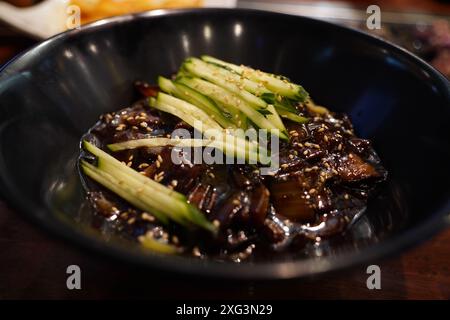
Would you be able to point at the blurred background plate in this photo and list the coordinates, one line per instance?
(43, 19)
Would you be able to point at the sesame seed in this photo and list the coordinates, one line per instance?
(120, 127)
(174, 183)
(196, 252)
(158, 164)
(325, 138)
(129, 163)
(346, 196)
(144, 124)
(160, 159)
(143, 165)
(145, 216)
(216, 223)
(312, 191)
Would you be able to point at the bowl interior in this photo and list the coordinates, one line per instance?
(51, 95)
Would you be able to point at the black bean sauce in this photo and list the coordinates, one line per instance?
(325, 177)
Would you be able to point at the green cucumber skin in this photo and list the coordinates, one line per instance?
(185, 111)
(159, 193)
(274, 83)
(160, 103)
(208, 72)
(195, 98)
(107, 157)
(223, 78)
(244, 152)
(293, 117)
(230, 100)
(95, 174)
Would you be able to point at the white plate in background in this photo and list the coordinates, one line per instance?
(48, 18)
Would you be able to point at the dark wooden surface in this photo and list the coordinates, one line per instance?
(33, 265)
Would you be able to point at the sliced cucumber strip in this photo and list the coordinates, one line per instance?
(185, 111)
(274, 83)
(189, 95)
(107, 158)
(158, 246)
(240, 148)
(232, 102)
(239, 86)
(121, 190)
(174, 207)
(293, 117)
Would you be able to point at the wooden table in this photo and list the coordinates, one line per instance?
(33, 265)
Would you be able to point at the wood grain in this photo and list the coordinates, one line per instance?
(33, 266)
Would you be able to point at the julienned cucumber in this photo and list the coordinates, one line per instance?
(230, 76)
(233, 83)
(185, 93)
(158, 246)
(279, 102)
(213, 74)
(189, 113)
(272, 82)
(231, 102)
(102, 155)
(243, 150)
(203, 123)
(257, 89)
(124, 192)
(111, 173)
(292, 116)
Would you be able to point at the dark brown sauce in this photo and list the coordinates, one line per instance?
(325, 178)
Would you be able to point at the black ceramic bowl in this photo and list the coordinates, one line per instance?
(53, 93)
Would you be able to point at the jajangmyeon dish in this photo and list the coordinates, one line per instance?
(227, 162)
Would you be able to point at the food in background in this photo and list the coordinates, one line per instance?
(92, 10)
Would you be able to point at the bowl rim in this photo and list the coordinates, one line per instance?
(251, 271)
